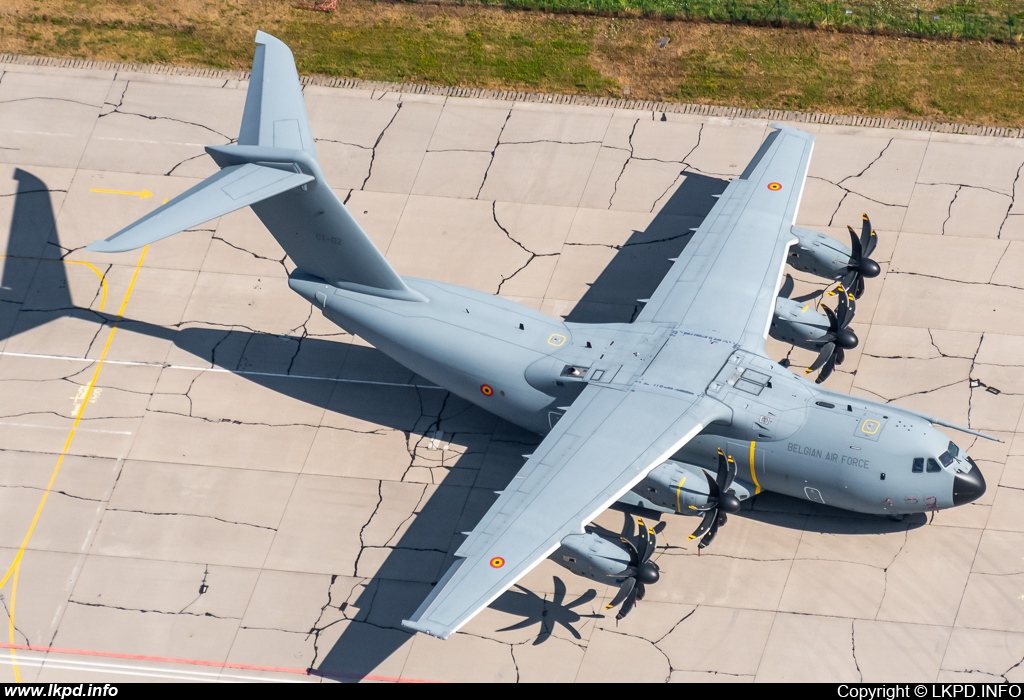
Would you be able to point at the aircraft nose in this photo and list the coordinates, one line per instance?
(968, 487)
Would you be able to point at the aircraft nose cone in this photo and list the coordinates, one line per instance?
(648, 573)
(847, 339)
(968, 487)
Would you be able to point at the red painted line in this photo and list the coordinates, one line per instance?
(212, 664)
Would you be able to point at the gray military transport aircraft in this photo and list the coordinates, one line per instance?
(680, 411)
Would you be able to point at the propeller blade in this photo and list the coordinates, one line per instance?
(624, 590)
(858, 287)
(647, 541)
(823, 356)
(710, 517)
(709, 538)
(844, 311)
(868, 237)
(634, 555)
(826, 371)
(840, 356)
(857, 249)
(833, 321)
(627, 606)
(731, 471)
(641, 591)
(660, 526)
(713, 494)
(721, 480)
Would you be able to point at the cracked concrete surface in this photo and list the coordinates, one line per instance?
(250, 486)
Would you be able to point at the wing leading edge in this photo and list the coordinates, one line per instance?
(606, 442)
(725, 283)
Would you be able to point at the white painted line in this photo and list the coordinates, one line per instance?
(126, 669)
(221, 370)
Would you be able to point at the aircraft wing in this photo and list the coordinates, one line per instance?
(725, 283)
(606, 442)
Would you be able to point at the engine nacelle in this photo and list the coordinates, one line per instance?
(678, 486)
(819, 254)
(798, 324)
(594, 557)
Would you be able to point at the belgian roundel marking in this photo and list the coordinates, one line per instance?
(497, 562)
(486, 390)
(774, 186)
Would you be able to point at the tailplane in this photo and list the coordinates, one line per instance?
(274, 170)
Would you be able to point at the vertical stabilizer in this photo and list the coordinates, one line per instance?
(275, 114)
(274, 170)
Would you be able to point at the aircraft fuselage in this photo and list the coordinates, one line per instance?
(787, 435)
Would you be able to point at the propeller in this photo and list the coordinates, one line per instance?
(645, 571)
(721, 500)
(838, 339)
(861, 265)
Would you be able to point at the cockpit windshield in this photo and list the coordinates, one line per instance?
(946, 459)
(953, 449)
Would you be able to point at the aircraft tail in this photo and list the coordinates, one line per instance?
(274, 170)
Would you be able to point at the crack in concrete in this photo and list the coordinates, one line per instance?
(373, 149)
(158, 612)
(853, 644)
(533, 256)
(1013, 199)
(687, 167)
(182, 162)
(362, 530)
(866, 167)
(257, 256)
(62, 493)
(348, 143)
(949, 210)
(946, 279)
(193, 515)
(497, 142)
(3, 601)
(615, 188)
(117, 110)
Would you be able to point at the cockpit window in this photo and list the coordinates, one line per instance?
(954, 450)
(946, 459)
(918, 465)
(933, 466)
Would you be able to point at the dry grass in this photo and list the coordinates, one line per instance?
(978, 82)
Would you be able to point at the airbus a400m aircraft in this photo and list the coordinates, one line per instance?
(681, 411)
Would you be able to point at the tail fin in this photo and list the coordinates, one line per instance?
(274, 170)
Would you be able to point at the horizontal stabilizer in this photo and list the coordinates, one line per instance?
(232, 188)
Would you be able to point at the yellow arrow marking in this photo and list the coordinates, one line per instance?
(141, 195)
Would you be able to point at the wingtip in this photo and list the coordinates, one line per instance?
(416, 626)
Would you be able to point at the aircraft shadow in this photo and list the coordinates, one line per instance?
(35, 291)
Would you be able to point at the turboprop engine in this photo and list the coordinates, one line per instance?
(686, 489)
(628, 566)
(826, 257)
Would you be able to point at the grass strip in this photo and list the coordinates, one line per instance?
(492, 47)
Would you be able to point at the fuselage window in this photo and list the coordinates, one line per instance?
(933, 466)
(946, 459)
(918, 465)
